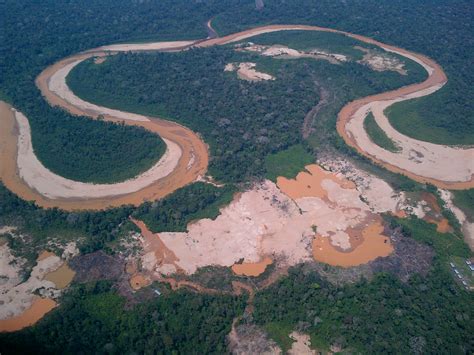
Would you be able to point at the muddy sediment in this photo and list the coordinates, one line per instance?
(373, 244)
(61, 277)
(252, 269)
(38, 310)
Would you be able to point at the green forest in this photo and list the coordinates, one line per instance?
(92, 319)
(377, 135)
(439, 29)
(427, 314)
(262, 118)
(424, 315)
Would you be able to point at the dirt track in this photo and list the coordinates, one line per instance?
(194, 159)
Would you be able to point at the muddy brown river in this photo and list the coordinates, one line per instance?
(194, 159)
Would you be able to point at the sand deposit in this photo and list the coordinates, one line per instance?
(273, 222)
(21, 305)
(246, 71)
(422, 158)
(53, 186)
(301, 344)
(467, 226)
(284, 52)
(381, 62)
(137, 47)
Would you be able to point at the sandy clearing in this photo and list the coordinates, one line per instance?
(376, 192)
(24, 302)
(301, 344)
(265, 223)
(6, 229)
(467, 227)
(246, 71)
(381, 62)
(17, 295)
(285, 52)
(45, 254)
(99, 60)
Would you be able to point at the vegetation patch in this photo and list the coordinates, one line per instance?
(377, 135)
(192, 202)
(113, 153)
(426, 120)
(92, 319)
(280, 333)
(288, 163)
(445, 244)
(464, 199)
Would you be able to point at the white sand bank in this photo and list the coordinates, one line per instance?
(49, 184)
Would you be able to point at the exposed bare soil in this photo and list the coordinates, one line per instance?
(283, 222)
(24, 302)
(38, 310)
(381, 62)
(252, 269)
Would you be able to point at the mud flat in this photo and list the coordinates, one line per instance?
(38, 310)
(61, 277)
(252, 269)
(373, 245)
(138, 281)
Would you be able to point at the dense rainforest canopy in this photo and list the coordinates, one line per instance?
(243, 122)
(427, 314)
